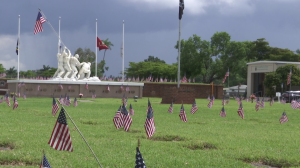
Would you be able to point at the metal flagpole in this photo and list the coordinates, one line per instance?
(44, 16)
(82, 136)
(59, 51)
(179, 46)
(19, 49)
(123, 54)
(96, 52)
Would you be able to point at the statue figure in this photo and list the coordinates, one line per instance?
(60, 69)
(66, 60)
(85, 70)
(73, 63)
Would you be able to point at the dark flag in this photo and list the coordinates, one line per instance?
(171, 108)
(55, 107)
(60, 138)
(17, 48)
(126, 120)
(194, 107)
(117, 119)
(241, 111)
(223, 113)
(139, 161)
(182, 114)
(149, 123)
(181, 7)
(283, 118)
(45, 163)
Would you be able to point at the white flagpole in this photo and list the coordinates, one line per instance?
(59, 36)
(19, 49)
(96, 52)
(123, 54)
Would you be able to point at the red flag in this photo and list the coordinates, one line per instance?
(60, 138)
(55, 107)
(101, 45)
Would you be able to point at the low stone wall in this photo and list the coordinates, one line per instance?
(164, 90)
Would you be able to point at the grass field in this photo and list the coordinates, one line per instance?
(206, 140)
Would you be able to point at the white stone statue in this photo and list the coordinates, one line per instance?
(66, 60)
(85, 70)
(60, 67)
(73, 63)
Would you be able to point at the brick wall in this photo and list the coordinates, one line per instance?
(3, 86)
(163, 90)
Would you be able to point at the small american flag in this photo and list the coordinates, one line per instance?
(61, 86)
(241, 111)
(131, 111)
(7, 99)
(117, 119)
(295, 104)
(1, 100)
(223, 101)
(227, 101)
(182, 114)
(94, 95)
(223, 113)
(194, 107)
(237, 98)
(123, 98)
(125, 103)
(38, 23)
(68, 101)
(24, 95)
(127, 88)
(86, 86)
(15, 105)
(283, 101)
(75, 104)
(210, 103)
(149, 123)
(60, 138)
(108, 88)
(139, 161)
(125, 118)
(61, 101)
(283, 118)
(121, 87)
(257, 104)
(262, 103)
(289, 77)
(38, 88)
(227, 74)
(208, 98)
(55, 107)
(184, 80)
(45, 163)
(171, 108)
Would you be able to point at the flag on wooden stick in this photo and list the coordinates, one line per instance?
(283, 118)
(182, 114)
(171, 108)
(60, 138)
(15, 105)
(55, 107)
(125, 118)
(7, 99)
(75, 104)
(149, 123)
(223, 113)
(45, 163)
(241, 111)
(139, 161)
(194, 107)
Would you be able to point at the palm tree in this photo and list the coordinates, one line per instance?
(12, 72)
(108, 44)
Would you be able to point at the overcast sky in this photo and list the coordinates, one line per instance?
(151, 27)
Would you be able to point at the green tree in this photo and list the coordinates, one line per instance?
(279, 54)
(11, 72)
(2, 69)
(260, 50)
(153, 59)
(272, 83)
(108, 44)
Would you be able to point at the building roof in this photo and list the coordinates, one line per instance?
(243, 87)
(273, 62)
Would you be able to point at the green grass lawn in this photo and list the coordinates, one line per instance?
(206, 140)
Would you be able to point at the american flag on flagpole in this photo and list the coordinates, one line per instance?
(171, 108)
(283, 118)
(45, 163)
(139, 161)
(227, 74)
(194, 108)
(86, 86)
(15, 105)
(117, 119)
(75, 104)
(131, 111)
(182, 114)
(289, 77)
(210, 103)
(125, 118)
(149, 123)
(55, 107)
(257, 104)
(241, 111)
(60, 138)
(223, 113)
(38, 23)
(7, 99)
